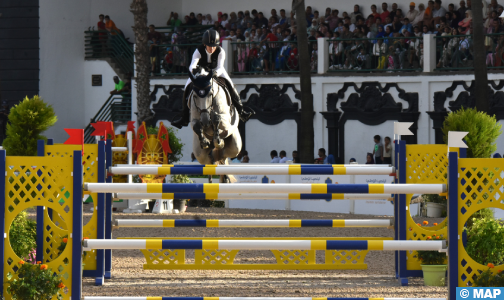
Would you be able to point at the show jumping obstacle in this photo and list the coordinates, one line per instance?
(248, 298)
(55, 181)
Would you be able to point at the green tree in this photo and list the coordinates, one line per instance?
(483, 131)
(27, 121)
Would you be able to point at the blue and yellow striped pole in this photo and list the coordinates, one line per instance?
(282, 169)
(91, 244)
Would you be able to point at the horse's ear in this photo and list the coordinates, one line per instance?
(191, 76)
(209, 76)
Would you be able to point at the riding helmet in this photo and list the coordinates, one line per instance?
(211, 38)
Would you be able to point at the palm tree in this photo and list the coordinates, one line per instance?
(480, 90)
(139, 10)
(307, 134)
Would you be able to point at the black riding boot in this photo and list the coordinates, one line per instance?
(183, 118)
(235, 98)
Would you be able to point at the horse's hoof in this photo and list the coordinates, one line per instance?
(205, 144)
(218, 144)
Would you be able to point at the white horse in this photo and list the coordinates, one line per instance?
(214, 121)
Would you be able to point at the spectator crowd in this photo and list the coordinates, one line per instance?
(386, 37)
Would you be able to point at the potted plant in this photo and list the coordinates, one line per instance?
(180, 204)
(35, 282)
(435, 205)
(433, 264)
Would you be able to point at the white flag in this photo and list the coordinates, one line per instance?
(402, 128)
(455, 139)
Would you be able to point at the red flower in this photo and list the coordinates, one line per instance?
(435, 224)
(61, 285)
(43, 267)
(429, 238)
(22, 262)
(65, 240)
(425, 222)
(490, 265)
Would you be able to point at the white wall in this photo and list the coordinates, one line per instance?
(62, 82)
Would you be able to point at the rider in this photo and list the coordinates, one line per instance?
(210, 56)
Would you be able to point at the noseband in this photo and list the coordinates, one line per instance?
(209, 107)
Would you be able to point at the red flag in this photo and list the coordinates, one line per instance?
(76, 138)
(141, 137)
(164, 138)
(100, 129)
(109, 130)
(131, 127)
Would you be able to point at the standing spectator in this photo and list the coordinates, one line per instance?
(239, 35)
(378, 149)
(119, 85)
(102, 35)
(224, 20)
(274, 15)
(322, 156)
(419, 18)
(438, 12)
(283, 157)
(154, 53)
(369, 159)
(412, 12)
(153, 34)
(240, 19)
(284, 21)
(274, 157)
(374, 13)
(207, 20)
(327, 12)
(428, 18)
(462, 9)
(192, 20)
(111, 26)
(387, 151)
(309, 14)
(199, 18)
(261, 22)
(174, 20)
(356, 12)
(314, 26)
(394, 12)
(332, 20)
(233, 19)
(385, 12)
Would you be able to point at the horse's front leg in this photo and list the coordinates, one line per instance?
(198, 129)
(216, 122)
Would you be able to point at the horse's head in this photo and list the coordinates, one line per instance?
(202, 86)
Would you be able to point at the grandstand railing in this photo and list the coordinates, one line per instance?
(103, 44)
(454, 55)
(117, 109)
(172, 60)
(387, 54)
(280, 57)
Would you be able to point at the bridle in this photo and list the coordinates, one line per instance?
(207, 109)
